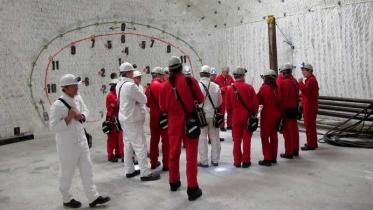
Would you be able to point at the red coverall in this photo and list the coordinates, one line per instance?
(269, 119)
(310, 94)
(289, 95)
(225, 83)
(239, 119)
(114, 141)
(176, 132)
(155, 131)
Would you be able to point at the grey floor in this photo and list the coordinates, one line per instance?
(329, 178)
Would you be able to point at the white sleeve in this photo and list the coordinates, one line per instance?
(139, 96)
(220, 97)
(56, 121)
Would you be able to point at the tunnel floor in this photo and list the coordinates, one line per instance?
(329, 178)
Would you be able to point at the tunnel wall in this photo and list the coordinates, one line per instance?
(336, 40)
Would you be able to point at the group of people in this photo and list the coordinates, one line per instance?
(172, 98)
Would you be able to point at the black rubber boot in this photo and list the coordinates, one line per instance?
(100, 200)
(150, 177)
(113, 159)
(155, 166)
(306, 148)
(265, 162)
(74, 204)
(175, 186)
(135, 173)
(237, 165)
(194, 193)
(246, 165)
(296, 153)
(286, 156)
(203, 165)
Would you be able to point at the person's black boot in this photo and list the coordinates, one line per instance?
(296, 153)
(155, 166)
(265, 162)
(135, 173)
(286, 156)
(175, 186)
(221, 139)
(165, 169)
(237, 165)
(113, 159)
(223, 129)
(194, 193)
(214, 164)
(229, 127)
(246, 165)
(100, 200)
(150, 177)
(203, 165)
(74, 204)
(306, 148)
(274, 161)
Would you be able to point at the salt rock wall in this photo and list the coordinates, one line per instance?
(336, 40)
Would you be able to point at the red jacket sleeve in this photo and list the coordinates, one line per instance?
(255, 103)
(309, 88)
(260, 95)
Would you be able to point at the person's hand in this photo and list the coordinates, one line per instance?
(70, 116)
(300, 80)
(77, 115)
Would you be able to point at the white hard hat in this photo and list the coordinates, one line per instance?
(213, 71)
(306, 66)
(174, 63)
(137, 74)
(124, 67)
(165, 70)
(114, 81)
(239, 71)
(157, 70)
(205, 69)
(286, 67)
(187, 70)
(69, 79)
(269, 73)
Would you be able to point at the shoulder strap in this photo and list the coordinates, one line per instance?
(208, 94)
(120, 88)
(65, 103)
(241, 100)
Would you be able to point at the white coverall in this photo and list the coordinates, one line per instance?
(72, 148)
(210, 131)
(132, 117)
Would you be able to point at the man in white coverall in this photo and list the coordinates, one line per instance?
(72, 147)
(209, 88)
(132, 117)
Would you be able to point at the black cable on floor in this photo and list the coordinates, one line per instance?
(349, 135)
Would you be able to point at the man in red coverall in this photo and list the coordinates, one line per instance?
(269, 117)
(176, 121)
(152, 93)
(289, 97)
(309, 93)
(224, 80)
(114, 140)
(241, 135)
